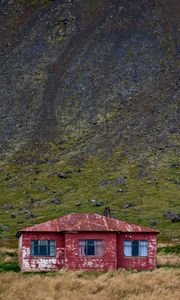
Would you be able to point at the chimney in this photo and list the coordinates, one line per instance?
(106, 212)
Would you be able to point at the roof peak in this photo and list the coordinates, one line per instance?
(87, 222)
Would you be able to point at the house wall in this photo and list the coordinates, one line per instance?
(30, 263)
(137, 263)
(20, 251)
(67, 255)
(74, 262)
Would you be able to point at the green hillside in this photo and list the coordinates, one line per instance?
(140, 189)
(89, 102)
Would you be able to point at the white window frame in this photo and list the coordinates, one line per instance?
(141, 248)
(84, 244)
(48, 245)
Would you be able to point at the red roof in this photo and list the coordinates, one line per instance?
(86, 222)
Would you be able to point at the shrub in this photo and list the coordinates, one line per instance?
(169, 249)
(9, 267)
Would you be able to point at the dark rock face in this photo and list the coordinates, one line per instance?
(101, 69)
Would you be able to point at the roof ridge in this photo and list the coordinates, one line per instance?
(87, 222)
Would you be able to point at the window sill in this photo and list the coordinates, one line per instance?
(92, 256)
(135, 256)
(43, 256)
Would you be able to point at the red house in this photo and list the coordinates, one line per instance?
(86, 241)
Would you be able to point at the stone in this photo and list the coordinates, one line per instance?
(60, 193)
(99, 203)
(30, 215)
(173, 216)
(121, 180)
(139, 208)
(8, 206)
(5, 228)
(62, 175)
(42, 189)
(120, 190)
(105, 182)
(55, 201)
(128, 205)
(24, 209)
(142, 175)
(13, 214)
(152, 222)
(96, 203)
(92, 201)
(173, 130)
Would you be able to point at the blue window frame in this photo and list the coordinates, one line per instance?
(43, 248)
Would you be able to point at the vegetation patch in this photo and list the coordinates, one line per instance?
(159, 284)
(38, 2)
(140, 192)
(9, 267)
(169, 249)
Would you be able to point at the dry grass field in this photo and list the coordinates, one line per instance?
(160, 284)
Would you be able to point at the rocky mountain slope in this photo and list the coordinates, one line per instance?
(89, 108)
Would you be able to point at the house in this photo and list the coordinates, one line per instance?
(86, 241)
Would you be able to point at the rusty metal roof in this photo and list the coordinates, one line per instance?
(86, 222)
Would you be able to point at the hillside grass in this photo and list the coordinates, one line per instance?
(151, 187)
(37, 3)
(160, 284)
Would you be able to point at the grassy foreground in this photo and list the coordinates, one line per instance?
(163, 283)
(159, 284)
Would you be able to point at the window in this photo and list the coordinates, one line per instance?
(91, 247)
(43, 248)
(135, 248)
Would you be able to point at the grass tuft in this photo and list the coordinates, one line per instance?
(9, 267)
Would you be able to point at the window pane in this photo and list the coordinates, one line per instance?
(42, 242)
(135, 248)
(32, 247)
(128, 248)
(98, 248)
(43, 247)
(82, 247)
(36, 250)
(35, 243)
(143, 248)
(52, 251)
(90, 247)
(43, 250)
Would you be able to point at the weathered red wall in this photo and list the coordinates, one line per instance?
(74, 262)
(20, 251)
(137, 263)
(36, 263)
(67, 252)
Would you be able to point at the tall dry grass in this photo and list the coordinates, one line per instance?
(161, 284)
(171, 259)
